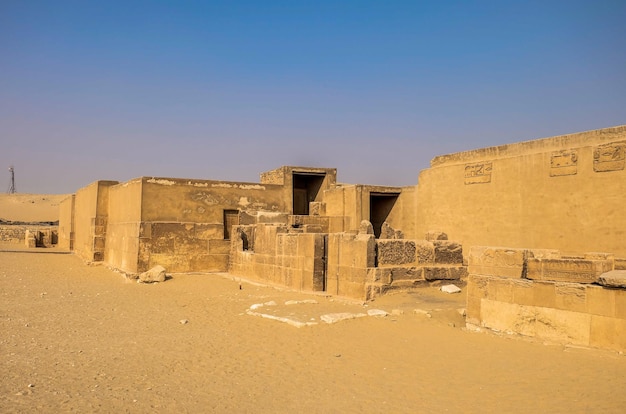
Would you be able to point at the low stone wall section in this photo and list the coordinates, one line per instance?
(540, 293)
(44, 236)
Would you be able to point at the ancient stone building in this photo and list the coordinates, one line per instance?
(298, 227)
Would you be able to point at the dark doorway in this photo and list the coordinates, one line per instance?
(231, 218)
(380, 207)
(306, 186)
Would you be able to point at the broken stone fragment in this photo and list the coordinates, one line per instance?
(450, 289)
(156, 274)
(337, 317)
(436, 235)
(377, 312)
(614, 279)
(387, 232)
(448, 252)
(366, 227)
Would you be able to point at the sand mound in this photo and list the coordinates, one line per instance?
(30, 207)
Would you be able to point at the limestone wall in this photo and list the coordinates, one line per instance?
(90, 220)
(283, 177)
(179, 223)
(42, 236)
(562, 193)
(66, 223)
(351, 203)
(349, 257)
(540, 293)
(573, 313)
(124, 226)
(275, 255)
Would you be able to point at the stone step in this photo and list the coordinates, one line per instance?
(443, 272)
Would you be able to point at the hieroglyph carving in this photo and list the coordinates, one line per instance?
(564, 163)
(478, 173)
(610, 157)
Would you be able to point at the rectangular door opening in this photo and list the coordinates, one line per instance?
(381, 205)
(231, 218)
(306, 187)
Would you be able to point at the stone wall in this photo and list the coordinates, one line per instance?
(91, 205)
(351, 203)
(40, 236)
(507, 293)
(273, 253)
(66, 223)
(563, 193)
(179, 223)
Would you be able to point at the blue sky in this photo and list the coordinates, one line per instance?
(227, 89)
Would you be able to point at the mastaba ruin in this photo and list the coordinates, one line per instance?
(536, 230)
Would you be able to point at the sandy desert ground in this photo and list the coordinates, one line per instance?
(78, 338)
(30, 207)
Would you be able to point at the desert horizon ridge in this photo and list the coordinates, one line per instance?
(25, 207)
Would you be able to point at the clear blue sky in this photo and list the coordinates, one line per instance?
(227, 89)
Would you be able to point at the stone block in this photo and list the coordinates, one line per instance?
(269, 217)
(600, 301)
(366, 227)
(448, 252)
(247, 218)
(145, 230)
(523, 292)
(473, 310)
(396, 252)
(478, 285)
(608, 333)
(219, 246)
(497, 261)
(99, 242)
(619, 264)
(444, 272)
(543, 254)
(312, 228)
(544, 294)
(373, 290)
(571, 297)
(425, 252)
(351, 289)
(436, 235)
(562, 326)
(599, 256)
(501, 289)
(508, 317)
(156, 274)
(379, 275)
(567, 270)
(317, 208)
(406, 273)
(387, 232)
(613, 279)
(208, 263)
(30, 239)
(620, 303)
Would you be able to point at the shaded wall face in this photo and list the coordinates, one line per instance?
(124, 224)
(565, 195)
(182, 222)
(90, 220)
(375, 204)
(182, 201)
(66, 223)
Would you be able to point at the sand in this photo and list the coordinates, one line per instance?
(78, 338)
(30, 207)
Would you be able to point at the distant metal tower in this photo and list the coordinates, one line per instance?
(12, 186)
